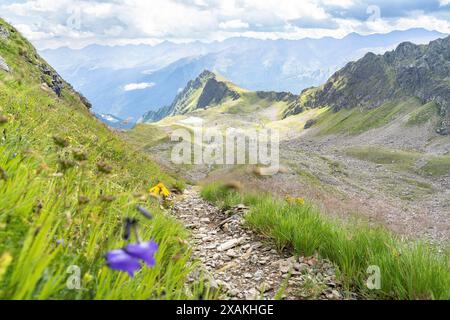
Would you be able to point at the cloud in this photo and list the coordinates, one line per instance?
(233, 24)
(77, 23)
(138, 86)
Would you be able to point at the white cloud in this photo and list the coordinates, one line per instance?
(233, 24)
(138, 86)
(77, 23)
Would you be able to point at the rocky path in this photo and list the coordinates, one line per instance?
(242, 264)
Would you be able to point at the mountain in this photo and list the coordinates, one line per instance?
(421, 71)
(127, 81)
(114, 122)
(66, 184)
(210, 90)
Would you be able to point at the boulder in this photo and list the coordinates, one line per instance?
(3, 65)
(4, 33)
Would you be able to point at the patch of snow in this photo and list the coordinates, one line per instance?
(138, 86)
(109, 118)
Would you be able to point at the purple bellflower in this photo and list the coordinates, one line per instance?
(143, 250)
(122, 261)
(128, 259)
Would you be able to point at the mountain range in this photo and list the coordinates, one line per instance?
(209, 90)
(421, 71)
(128, 81)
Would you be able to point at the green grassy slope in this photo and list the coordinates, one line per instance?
(355, 121)
(408, 270)
(63, 203)
(431, 165)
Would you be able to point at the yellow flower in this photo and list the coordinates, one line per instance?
(5, 261)
(289, 199)
(292, 200)
(160, 190)
(87, 278)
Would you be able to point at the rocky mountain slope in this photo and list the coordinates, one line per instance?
(421, 71)
(211, 90)
(371, 140)
(102, 72)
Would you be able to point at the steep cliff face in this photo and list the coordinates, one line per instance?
(18, 53)
(410, 70)
(211, 90)
(205, 91)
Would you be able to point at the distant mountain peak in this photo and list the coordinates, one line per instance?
(207, 74)
(210, 90)
(207, 90)
(421, 71)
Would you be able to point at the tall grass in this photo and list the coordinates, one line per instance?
(408, 270)
(44, 226)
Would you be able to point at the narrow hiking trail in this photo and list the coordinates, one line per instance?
(244, 265)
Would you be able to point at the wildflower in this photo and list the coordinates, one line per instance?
(37, 208)
(3, 174)
(177, 257)
(182, 241)
(144, 212)
(292, 200)
(83, 200)
(122, 261)
(79, 155)
(160, 190)
(144, 250)
(128, 258)
(107, 198)
(66, 164)
(61, 142)
(129, 224)
(103, 167)
(3, 119)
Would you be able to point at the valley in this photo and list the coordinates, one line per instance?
(382, 166)
(363, 182)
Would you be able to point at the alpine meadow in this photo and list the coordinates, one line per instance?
(217, 150)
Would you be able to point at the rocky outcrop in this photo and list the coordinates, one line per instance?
(4, 33)
(410, 70)
(155, 116)
(277, 96)
(3, 65)
(210, 91)
(201, 93)
(215, 92)
(56, 83)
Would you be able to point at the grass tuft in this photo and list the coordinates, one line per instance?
(408, 270)
(66, 185)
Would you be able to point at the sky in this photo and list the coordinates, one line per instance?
(78, 23)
